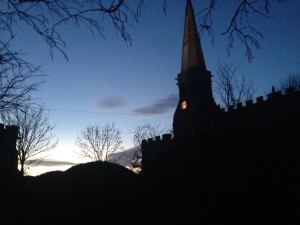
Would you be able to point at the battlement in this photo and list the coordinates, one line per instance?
(8, 151)
(12, 130)
(157, 140)
(155, 150)
(272, 98)
(277, 112)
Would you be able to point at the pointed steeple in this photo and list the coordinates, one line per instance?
(192, 55)
(196, 109)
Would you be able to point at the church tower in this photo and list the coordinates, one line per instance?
(196, 108)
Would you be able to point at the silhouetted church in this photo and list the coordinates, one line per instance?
(200, 124)
(238, 166)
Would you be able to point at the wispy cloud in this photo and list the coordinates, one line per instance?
(112, 102)
(123, 158)
(49, 162)
(160, 106)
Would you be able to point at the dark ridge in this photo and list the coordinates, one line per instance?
(76, 196)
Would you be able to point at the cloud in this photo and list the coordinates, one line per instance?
(112, 102)
(160, 106)
(48, 162)
(124, 157)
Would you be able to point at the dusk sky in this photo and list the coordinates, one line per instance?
(106, 81)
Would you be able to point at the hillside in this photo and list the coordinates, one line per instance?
(91, 193)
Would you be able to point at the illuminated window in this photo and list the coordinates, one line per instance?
(183, 105)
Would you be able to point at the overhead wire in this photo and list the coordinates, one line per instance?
(101, 112)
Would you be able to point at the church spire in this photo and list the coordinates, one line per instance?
(192, 55)
(196, 109)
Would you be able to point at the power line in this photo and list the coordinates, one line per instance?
(107, 113)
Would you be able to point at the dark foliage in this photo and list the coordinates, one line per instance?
(92, 193)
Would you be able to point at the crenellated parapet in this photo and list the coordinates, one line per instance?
(8, 152)
(9, 130)
(276, 111)
(275, 98)
(155, 150)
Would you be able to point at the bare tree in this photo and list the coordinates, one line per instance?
(141, 132)
(241, 26)
(45, 18)
(292, 80)
(18, 79)
(230, 89)
(36, 138)
(99, 143)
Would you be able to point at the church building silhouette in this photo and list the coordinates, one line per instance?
(264, 123)
(242, 162)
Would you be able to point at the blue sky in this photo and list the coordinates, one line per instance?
(107, 81)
